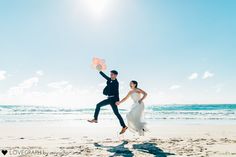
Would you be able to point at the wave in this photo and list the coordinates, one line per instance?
(212, 112)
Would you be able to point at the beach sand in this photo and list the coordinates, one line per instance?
(102, 139)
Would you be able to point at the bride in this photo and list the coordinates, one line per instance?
(135, 116)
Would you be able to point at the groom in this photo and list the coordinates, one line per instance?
(112, 93)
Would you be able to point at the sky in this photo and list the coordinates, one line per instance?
(180, 51)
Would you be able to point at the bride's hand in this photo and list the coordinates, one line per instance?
(117, 103)
(140, 101)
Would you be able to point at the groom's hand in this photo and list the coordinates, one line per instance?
(99, 67)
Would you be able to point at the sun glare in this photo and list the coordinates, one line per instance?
(98, 8)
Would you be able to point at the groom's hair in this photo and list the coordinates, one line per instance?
(114, 72)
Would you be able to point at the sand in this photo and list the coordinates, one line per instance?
(102, 139)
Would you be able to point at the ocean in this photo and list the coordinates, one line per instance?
(191, 114)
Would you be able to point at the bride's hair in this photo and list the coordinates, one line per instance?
(135, 82)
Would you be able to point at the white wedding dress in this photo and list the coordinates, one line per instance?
(136, 115)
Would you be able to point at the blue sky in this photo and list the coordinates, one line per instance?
(166, 45)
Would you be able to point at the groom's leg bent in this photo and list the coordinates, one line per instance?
(99, 105)
(116, 112)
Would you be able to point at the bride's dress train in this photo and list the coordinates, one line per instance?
(135, 116)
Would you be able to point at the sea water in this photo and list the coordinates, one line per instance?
(189, 114)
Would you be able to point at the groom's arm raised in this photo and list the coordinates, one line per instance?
(104, 75)
(99, 68)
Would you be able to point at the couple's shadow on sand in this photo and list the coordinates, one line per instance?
(121, 150)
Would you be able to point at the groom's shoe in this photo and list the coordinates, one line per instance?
(93, 121)
(123, 130)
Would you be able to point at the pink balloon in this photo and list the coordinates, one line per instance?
(98, 61)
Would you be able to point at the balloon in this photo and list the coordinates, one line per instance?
(97, 62)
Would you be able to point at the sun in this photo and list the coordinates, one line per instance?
(98, 8)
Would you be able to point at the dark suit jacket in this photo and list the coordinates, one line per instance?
(112, 88)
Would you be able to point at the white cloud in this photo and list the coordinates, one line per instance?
(2, 75)
(75, 97)
(62, 93)
(193, 76)
(29, 82)
(207, 75)
(175, 87)
(39, 73)
(59, 84)
(26, 84)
